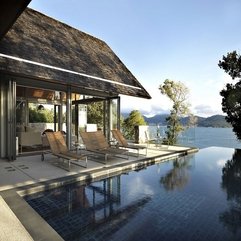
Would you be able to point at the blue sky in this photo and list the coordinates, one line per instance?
(160, 39)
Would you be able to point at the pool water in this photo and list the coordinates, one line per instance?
(197, 197)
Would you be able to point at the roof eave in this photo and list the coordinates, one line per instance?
(10, 10)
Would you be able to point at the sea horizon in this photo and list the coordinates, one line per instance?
(203, 137)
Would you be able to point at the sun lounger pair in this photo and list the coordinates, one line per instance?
(95, 142)
(59, 148)
(122, 142)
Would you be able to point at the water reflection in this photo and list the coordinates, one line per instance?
(75, 211)
(231, 183)
(178, 176)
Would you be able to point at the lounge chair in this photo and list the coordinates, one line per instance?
(58, 148)
(152, 140)
(122, 142)
(157, 141)
(95, 142)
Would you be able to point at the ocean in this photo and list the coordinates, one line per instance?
(202, 137)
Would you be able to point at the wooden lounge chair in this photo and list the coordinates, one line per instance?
(95, 142)
(58, 147)
(122, 142)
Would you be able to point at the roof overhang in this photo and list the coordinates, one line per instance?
(10, 10)
(48, 52)
(87, 83)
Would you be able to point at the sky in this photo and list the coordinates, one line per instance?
(161, 39)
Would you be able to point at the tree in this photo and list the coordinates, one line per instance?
(95, 113)
(192, 121)
(231, 101)
(134, 119)
(177, 92)
(231, 64)
(231, 183)
(38, 114)
(178, 176)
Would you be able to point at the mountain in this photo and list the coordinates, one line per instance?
(157, 119)
(212, 121)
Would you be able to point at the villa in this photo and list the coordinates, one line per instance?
(44, 61)
(48, 62)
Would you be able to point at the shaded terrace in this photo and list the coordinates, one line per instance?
(41, 53)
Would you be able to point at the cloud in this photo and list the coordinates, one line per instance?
(137, 186)
(206, 110)
(221, 163)
(158, 104)
(150, 107)
(204, 98)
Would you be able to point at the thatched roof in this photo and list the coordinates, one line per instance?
(43, 40)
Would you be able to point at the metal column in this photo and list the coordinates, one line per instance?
(118, 112)
(68, 117)
(3, 119)
(11, 121)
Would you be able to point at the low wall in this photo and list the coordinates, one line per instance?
(141, 133)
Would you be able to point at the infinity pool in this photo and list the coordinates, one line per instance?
(197, 197)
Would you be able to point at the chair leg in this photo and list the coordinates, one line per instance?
(42, 156)
(86, 159)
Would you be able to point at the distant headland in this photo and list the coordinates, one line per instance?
(211, 121)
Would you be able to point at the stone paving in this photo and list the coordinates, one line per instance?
(30, 169)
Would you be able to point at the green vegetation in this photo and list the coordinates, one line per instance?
(95, 113)
(231, 101)
(38, 114)
(177, 92)
(134, 119)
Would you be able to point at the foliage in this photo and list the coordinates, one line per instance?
(95, 113)
(231, 184)
(134, 119)
(122, 121)
(231, 64)
(192, 120)
(178, 176)
(177, 92)
(40, 115)
(231, 101)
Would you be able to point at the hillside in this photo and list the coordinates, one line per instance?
(157, 119)
(212, 121)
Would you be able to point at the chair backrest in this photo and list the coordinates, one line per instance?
(94, 140)
(88, 140)
(147, 136)
(119, 137)
(52, 142)
(61, 142)
(56, 142)
(102, 142)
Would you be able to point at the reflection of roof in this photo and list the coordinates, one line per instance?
(53, 51)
